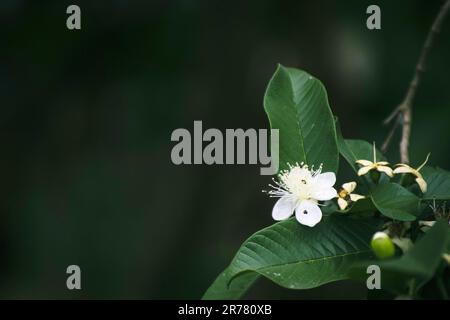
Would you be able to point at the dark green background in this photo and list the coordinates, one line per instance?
(86, 118)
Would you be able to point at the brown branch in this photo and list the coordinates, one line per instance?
(404, 110)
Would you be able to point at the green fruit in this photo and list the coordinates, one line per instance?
(382, 245)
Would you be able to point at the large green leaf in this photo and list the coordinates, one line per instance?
(297, 104)
(395, 202)
(418, 264)
(297, 257)
(438, 183)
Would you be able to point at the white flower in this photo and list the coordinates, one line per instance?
(381, 166)
(300, 189)
(367, 166)
(426, 225)
(404, 168)
(345, 195)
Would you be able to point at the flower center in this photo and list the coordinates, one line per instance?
(298, 182)
(343, 194)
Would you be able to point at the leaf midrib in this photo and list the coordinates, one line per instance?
(297, 118)
(300, 262)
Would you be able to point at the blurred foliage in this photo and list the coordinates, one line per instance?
(86, 118)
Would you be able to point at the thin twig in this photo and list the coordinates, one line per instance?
(388, 139)
(404, 110)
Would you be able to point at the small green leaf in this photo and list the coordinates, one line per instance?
(438, 183)
(395, 202)
(297, 104)
(298, 257)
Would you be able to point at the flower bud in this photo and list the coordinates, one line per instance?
(382, 245)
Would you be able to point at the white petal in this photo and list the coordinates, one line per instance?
(308, 213)
(386, 170)
(402, 165)
(326, 179)
(349, 186)
(283, 208)
(342, 204)
(446, 257)
(418, 174)
(422, 184)
(404, 169)
(362, 171)
(323, 194)
(365, 163)
(427, 223)
(403, 243)
(355, 197)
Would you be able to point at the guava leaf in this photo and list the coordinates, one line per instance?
(395, 202)
(296, 256)
(297, 104)
(438, 183)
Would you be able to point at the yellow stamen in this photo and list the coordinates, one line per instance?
(343, 193)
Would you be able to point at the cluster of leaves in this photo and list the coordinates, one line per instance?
(298, 257)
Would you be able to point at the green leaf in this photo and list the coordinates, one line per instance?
(353, 150)
(438, 183)
(297, 257)
(363, 206)
(395, 202)
(297, 104)
(222, 290)
(418, 264)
